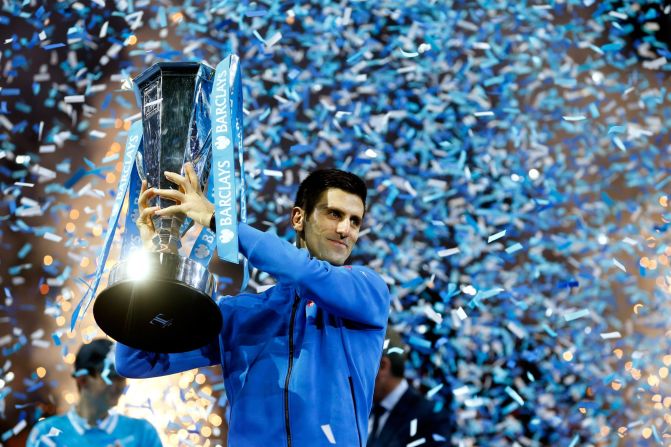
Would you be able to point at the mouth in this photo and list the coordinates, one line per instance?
(341, 244)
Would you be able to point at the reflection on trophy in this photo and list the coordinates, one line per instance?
(160, 301)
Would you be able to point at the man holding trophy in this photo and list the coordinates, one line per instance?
(299, 359)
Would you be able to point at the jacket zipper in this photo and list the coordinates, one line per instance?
(287, 426)
(356, 421)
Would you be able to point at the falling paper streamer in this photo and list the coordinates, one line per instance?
(610, 335)
(575, 315)
(328, 433)
(496, 236)
(619, 265)
(448, 252)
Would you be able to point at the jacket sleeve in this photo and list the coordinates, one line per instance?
(352, 292)
(151, 437)
(136, 364)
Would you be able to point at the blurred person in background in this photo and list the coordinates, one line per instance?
(401, 416)
(90, 422)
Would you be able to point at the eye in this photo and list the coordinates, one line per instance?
(334, 213)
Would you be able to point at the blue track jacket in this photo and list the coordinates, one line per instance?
(299, 360)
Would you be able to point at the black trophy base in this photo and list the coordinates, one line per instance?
(158, 315)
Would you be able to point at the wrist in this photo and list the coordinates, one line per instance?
(206, 215)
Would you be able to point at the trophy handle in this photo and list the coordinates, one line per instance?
(139, 165)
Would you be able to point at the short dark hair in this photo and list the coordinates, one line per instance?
(91, 357)
(321, 180)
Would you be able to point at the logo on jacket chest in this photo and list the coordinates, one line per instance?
(311, 309)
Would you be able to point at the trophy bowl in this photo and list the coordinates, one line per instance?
(159, 302)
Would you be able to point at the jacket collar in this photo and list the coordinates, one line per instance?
(81, 425)
(391, 399)
(397, 417)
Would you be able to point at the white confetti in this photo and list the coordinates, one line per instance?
(97, 134)
(20, 426)
(618, 15)
(513, 248)
(482, 46)
(461, 391)
(515, 329)
(72, 99)
(328, 433)
(432, 392)
(577, 314)
(272, 173)
(461, 314)
(619, 265)
(496, 236)
(574, 118)
(655, 64)
(610, 335)
(448, 252)
(273, 40)
(44, 344)
(53, 237)
(112, 157)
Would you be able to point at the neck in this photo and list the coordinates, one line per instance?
(92, 411)
(390, 386)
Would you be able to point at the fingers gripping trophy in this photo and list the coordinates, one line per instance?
(157, 299)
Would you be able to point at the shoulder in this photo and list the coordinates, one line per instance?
(53, 421)
(142, 428)
(413, 398)
(51, 426)
(136, 423)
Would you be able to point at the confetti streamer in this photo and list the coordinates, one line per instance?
(328, 433)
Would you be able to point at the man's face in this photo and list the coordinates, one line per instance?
(332, 228)
(105, 396)
(382, 379)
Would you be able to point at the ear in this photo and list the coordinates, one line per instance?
(297, 218)
(81, 382)
(385, 364)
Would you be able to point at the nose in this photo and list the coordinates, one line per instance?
(343, 229)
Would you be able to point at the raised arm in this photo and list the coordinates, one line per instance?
(352, 292)
(136, 364)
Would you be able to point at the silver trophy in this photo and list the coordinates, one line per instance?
(160, 301)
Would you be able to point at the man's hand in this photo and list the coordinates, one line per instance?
(189, 199)
(143, 222)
